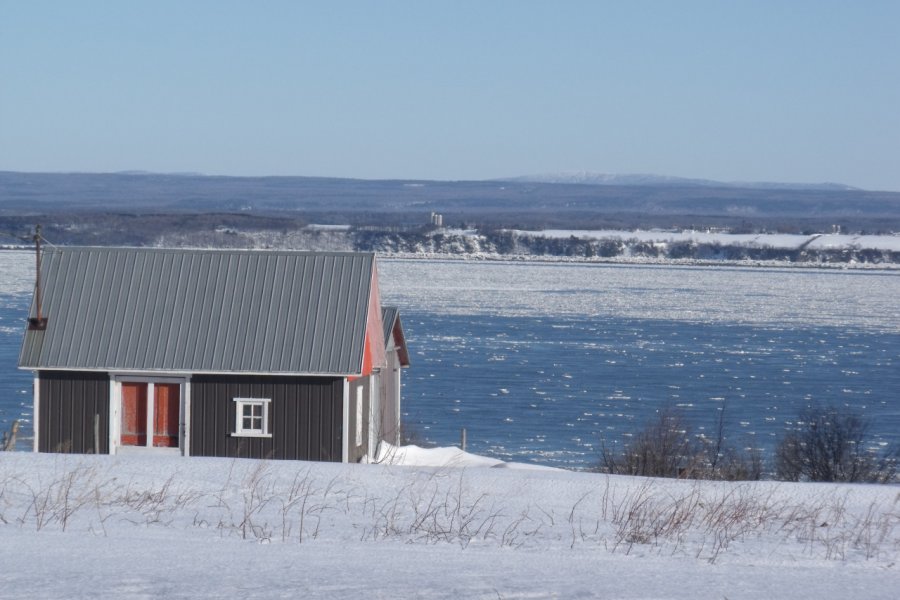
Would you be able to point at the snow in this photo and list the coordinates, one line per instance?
(873, 242)
(327, 227)
(443, 457)
(454, 231)
(757, 240)
(152, 526)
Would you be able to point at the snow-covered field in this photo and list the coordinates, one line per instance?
(168, 527)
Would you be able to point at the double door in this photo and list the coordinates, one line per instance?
(151, 414)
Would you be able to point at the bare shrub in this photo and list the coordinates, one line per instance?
(667, 447)
(257, 490)
(58, 501)
(411, 435)
(664, 448)
(734, 465)
(832, 444)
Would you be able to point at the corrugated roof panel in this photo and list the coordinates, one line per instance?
(340, 340)
(389, 314)
(319, 315)
(249, 320)
(305, 330)
(360, 293)
(327, 326)
(201, 311)
(168, 334)
(264, 343)
(275, 331)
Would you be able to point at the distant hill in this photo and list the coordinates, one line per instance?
(618, 202)
(639, 179)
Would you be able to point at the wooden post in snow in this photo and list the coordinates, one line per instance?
(462, 439)
(96, 434)
(9, 439)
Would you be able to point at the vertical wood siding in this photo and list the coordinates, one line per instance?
(305, 417)
(68, 403)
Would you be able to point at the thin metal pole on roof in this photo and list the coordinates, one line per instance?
(38, 323)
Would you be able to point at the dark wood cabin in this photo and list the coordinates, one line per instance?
(257, 354)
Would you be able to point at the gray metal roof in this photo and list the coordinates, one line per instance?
(389, 314)
(390, 319)
(140, 309)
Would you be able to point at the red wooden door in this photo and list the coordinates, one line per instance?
(166, 409)
(134, 414)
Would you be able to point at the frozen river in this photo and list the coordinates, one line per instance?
(539, 362)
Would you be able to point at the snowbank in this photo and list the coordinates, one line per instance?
(444, 457)
(149, 526)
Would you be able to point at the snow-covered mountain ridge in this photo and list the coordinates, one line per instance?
(571, 244)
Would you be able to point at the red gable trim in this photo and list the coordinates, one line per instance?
(373, 351)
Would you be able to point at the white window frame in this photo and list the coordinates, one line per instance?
(358, 438)
(239, 404)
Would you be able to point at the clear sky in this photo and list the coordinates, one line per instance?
(756, 90)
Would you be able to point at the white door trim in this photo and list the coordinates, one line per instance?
(36, 420)
(345, 436)
(115, 409)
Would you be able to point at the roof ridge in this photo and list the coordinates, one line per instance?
(153, 249)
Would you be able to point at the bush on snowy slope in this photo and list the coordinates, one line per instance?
(829, 444)
(667, 447)
(832, 444)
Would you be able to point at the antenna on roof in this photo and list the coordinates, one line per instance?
(38, 323)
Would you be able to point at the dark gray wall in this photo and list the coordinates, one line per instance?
(305, 417)
(67, 403)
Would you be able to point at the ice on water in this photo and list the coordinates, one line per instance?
(591, 351)
(766, 296)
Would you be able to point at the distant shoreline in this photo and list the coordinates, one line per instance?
(595, 260)
(640, 261)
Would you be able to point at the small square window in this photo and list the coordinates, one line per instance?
(252, 417)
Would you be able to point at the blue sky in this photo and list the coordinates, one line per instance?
(803, 91)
